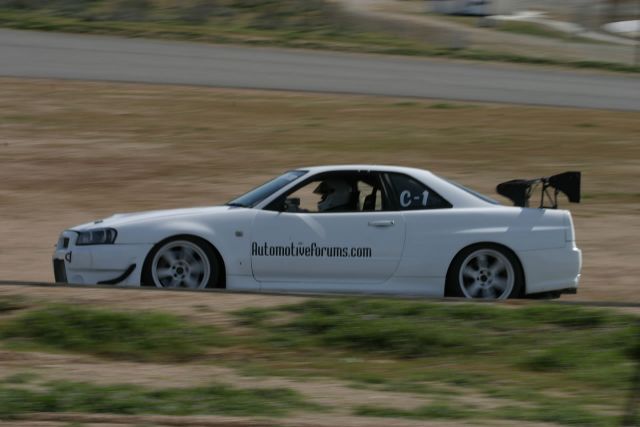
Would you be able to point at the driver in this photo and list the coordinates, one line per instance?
(336, 196)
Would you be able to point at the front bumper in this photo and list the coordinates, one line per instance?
(98, 264)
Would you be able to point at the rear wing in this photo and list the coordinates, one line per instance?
(519, 191)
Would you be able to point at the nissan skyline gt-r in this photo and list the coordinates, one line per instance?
(348, 228)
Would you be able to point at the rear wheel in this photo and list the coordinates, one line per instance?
(182, 262)
(487, 272)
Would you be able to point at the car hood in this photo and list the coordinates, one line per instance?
(141, 217)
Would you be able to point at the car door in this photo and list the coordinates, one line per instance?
(434, 233)
(297, 247)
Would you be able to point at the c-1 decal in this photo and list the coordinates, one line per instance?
(406, 198)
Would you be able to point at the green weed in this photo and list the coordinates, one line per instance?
(130, 400)
(553, 413)
(427, 412)
(135, 336)
(558, 413)
(8, 304)
(583, 344)
(446, 106)
(19, 378)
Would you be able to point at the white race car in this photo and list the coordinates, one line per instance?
(349, 228)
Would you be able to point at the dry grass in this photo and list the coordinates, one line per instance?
(72, 152)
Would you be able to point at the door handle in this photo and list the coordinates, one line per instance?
(383, 223)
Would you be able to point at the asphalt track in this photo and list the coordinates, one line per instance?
(85, 57)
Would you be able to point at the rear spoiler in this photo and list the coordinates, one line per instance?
(519, 190)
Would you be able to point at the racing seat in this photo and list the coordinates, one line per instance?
(369, 204)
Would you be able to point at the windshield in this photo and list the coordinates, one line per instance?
(475, 193)
(255, 196)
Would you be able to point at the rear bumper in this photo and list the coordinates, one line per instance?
(556, 270)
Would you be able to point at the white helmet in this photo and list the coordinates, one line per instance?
(335, 193)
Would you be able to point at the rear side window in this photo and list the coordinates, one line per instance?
(413, 195)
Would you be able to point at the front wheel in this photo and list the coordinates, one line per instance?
(182, 262)
(487, 272)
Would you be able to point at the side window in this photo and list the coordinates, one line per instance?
(337, 192)
(332, 193)
(413, 195)
(304, 199)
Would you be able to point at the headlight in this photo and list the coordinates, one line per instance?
(98, 236)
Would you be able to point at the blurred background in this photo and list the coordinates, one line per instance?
(131, 105)
(588, 31)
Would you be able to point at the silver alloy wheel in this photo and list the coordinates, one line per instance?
(486, 273)
(181, 264)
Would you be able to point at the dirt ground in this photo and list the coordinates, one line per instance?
(73, 152)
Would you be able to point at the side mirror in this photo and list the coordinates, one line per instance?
(291, 204)
(276, 206)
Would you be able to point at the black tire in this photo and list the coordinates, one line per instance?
(483, 277)
(195, 252)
